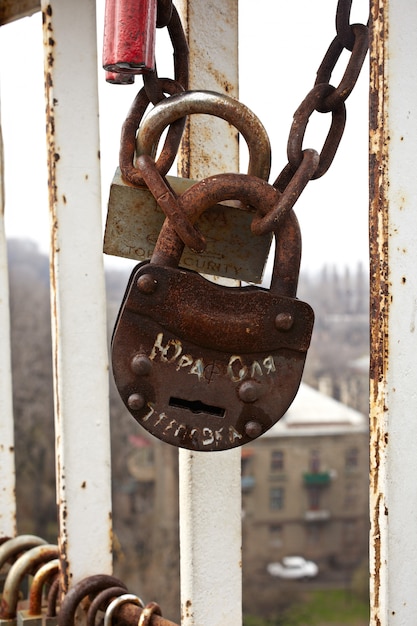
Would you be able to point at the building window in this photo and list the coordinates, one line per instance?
(276, 498)
(313, 534)
(275, 535)
(277, 461)
(314, 461)
(350, 532)
(352, 458)
(351, 496)
(313, 495)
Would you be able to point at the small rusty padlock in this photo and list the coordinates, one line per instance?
(134, 218)
(203, 366)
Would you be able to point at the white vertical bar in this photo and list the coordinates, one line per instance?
(394, 307)
(7, 462)
(210, 490)
(78, 291)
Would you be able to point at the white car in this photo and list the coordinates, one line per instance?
(293, 568)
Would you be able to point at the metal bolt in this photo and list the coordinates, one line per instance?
(284, 321)
(141, 365)
(248, 391)
(136, 401)
(146, 284)
(253, 429)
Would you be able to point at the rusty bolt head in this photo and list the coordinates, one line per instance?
(248, 391)
(146, 284)
(253, 429)
(141, 365)
(284, 321)
(136, 401)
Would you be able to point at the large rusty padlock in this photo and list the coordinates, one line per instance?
(204, 366)
(134, 218)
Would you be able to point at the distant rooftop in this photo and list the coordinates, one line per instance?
(313, 413)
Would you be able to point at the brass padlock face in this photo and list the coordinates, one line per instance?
(134, 221)
(207, 367)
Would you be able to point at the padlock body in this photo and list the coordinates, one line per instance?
(134, 221)
(203, 366)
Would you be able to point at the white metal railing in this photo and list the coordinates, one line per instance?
(78, 301)
(210, 536)
(394, 312)
(7, 465)
(210, 507)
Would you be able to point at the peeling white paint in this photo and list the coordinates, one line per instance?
(78, 293)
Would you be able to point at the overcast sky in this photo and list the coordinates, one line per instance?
(281, 46)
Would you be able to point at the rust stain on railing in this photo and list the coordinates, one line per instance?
(11, 10)
(379, 275)
(53, 158)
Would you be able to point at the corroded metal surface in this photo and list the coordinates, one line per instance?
(204, 366)
(24, 565)
(42, 576)
(90, 585)
(101, 601)
(134, 221)
(78, 305)
(11, 10)
(135, 218)
(393, 401)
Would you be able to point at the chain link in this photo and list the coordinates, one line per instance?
(303, 164)
(323, 98)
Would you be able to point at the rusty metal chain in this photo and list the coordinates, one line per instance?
(303, 164)
(323, 98)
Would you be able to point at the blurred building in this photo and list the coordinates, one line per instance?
(305, 486)
(304, 492)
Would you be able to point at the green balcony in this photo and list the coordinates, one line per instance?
(316, 479)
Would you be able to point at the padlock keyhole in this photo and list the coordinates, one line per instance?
(197, 406)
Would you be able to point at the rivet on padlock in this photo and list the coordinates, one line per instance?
(226, 362)
(134, 219)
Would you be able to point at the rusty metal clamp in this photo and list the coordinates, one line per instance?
(101, 602)
(12, 547)
(152, 608)
(44, 573)
(125, 598)
(90, 585)
(24, 564)
(53, 597)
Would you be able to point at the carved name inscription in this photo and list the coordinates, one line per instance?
(223, 437)
(236, 370)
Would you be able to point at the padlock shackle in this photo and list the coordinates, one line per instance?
(130, 127)
(251, 191)
(210, 103)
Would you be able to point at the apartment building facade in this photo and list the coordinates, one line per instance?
(305, 486)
